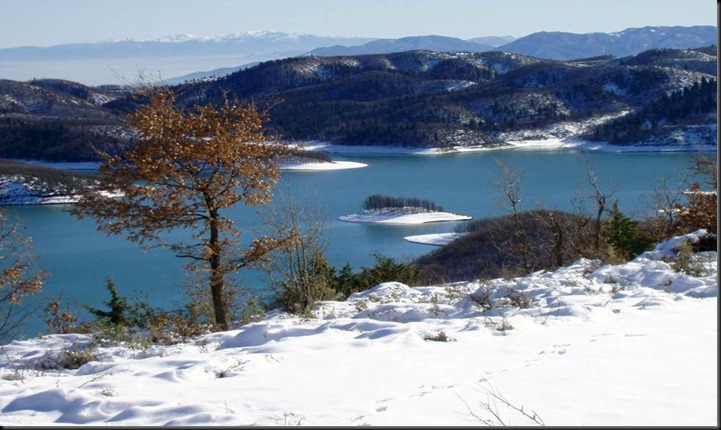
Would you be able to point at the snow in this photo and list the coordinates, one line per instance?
(514, 142)
(20, 190)
(332, 165)
(615, 345)
(398, 216)
(437, 239)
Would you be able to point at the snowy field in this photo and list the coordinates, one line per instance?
(591, 345)
(401, 217)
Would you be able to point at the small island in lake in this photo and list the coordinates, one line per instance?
(401, 210)
(312, 161)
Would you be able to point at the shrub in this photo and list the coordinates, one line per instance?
(519, 300)
(59, 322)
(299, 292)
(117, 315)
(624, 234)
(685, 262)
(482, 298)
(440, 337)
(386, 269)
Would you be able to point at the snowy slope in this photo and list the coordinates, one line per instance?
(631, 344)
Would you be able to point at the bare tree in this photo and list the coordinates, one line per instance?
(600, 200)
(300, 274)
(665, 204)
(509, 186)
(185, 169)
(18, 278)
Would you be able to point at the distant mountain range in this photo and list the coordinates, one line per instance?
(664, 97)
(387, 46)
(569, 46)
(548, 45)
(181, 57)
(121, 61)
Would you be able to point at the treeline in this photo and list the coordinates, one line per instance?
(378, 201)
(303, 156)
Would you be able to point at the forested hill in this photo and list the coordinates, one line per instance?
(415, 98)
(433, 99)
(58, 120)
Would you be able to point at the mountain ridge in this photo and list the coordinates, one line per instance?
(420, 99)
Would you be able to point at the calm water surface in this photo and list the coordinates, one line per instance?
(79, 258)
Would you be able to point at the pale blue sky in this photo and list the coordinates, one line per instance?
(52, 22)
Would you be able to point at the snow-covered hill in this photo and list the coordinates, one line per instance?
(588, 344)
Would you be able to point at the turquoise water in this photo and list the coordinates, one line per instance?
(78, 258)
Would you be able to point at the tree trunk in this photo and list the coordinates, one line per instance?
(217, 280)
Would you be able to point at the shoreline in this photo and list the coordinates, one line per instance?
(535, 145)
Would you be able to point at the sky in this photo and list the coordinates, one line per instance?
(54, 22)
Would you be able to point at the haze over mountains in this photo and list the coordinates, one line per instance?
(118, 62)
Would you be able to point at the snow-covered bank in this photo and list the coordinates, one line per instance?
(616, 345)
(15, 191)
(551, 143)
(436, 239)
(91, 165)
(22, 190)
(401, 217)
(331, 165)
(19, 190)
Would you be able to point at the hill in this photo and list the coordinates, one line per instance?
(58, 120)
(441, 99)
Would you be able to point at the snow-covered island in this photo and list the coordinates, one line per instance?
(632, 344)
(322, 165)
(402, 216)
(401, 210)
(436, 239)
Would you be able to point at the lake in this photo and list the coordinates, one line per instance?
(79, 258)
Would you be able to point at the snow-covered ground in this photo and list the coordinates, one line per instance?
(437, 239)
(397, 216)
(630, 344)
